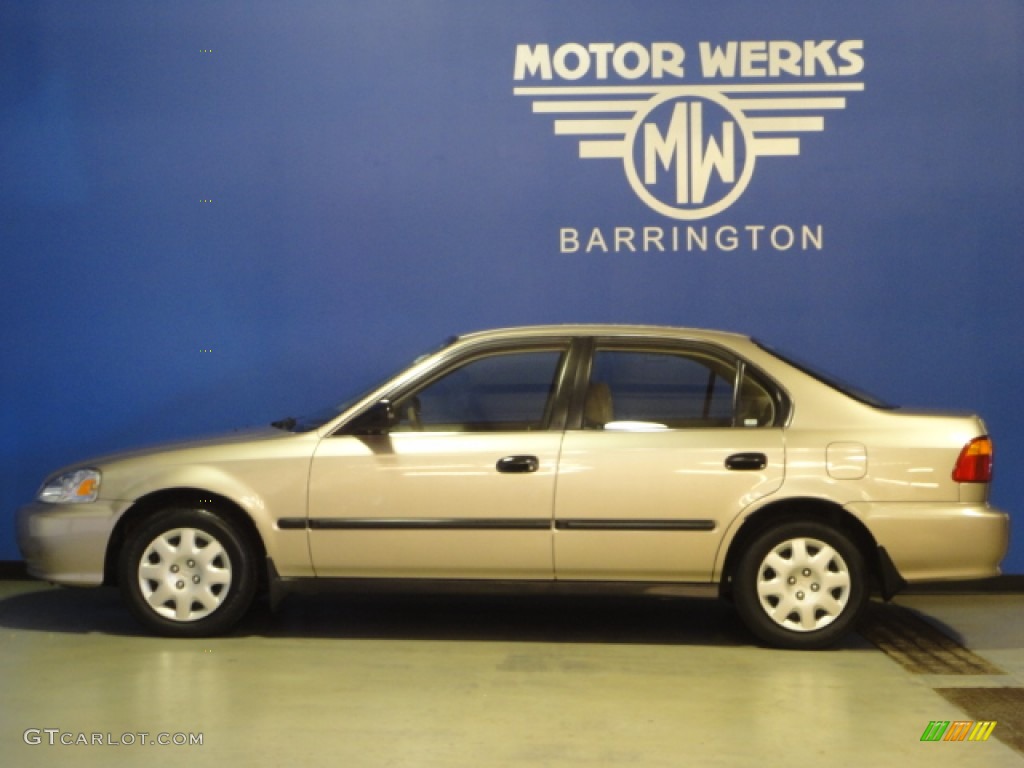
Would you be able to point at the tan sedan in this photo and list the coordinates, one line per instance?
(560, 457)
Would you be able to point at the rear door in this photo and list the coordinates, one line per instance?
(671, 442)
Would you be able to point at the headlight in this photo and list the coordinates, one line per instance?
(79, 487)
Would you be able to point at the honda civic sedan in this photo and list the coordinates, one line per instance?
(619, 458)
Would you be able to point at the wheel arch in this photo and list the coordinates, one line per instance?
(184, 496)
(808, 509)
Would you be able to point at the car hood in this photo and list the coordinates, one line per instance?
(236, 437)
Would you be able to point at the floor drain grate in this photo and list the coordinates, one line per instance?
(918, 646)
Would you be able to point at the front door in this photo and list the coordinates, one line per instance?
(461, 486)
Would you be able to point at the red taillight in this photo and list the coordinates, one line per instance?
(975, 462)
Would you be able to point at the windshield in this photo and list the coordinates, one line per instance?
(828, 379)
(318, 418)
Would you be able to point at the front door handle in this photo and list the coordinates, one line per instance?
(746, 461)
(518, 464)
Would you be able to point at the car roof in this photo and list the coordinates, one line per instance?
(598, 329)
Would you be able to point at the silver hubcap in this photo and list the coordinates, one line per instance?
(185, 574)
(803, 584)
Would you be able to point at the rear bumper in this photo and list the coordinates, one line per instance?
(938, 542)
(66, 544)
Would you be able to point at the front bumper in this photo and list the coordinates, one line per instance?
(938, 542)
(67, 543)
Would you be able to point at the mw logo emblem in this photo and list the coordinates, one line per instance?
(689, 152)
(688, 155)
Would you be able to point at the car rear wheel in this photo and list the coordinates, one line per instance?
(800, 585)
(187, 572)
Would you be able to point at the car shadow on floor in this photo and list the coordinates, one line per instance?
(534, 618)
(640, 620)
(42, 608)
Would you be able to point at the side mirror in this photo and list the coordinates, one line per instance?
(376, 420)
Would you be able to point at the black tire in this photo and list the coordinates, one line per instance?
(800, 585)
(187, 572)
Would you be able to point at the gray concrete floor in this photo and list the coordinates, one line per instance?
(499, 681)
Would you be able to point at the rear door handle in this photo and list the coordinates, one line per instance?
(746, 461)
(518, 464)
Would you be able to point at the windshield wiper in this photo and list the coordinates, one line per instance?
(286, 424)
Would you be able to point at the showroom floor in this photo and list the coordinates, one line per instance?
(479, 682)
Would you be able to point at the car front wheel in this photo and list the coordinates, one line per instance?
(187, 572)
(800, 585)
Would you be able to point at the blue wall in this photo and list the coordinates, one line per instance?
(375, 183)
